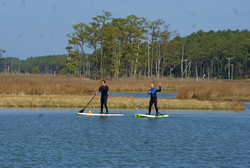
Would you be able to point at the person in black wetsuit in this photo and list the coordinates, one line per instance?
(104, 95)
(153, 99)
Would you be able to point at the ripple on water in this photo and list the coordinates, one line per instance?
(59, 137)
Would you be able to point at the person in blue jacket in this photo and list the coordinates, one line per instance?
(153, 99)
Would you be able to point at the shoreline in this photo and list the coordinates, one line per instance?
(75, 101)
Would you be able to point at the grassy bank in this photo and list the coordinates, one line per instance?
(61, 85)
(214, 91)
(76, 101)
(223, 90)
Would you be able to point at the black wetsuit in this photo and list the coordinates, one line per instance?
(104, 97)
(153, 99)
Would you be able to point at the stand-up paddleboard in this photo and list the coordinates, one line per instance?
(150, 116)
(98, 114)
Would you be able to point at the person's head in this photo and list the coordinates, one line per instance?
(103, 82)
(152, 86)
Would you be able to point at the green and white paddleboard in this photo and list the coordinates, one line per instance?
(150, 116)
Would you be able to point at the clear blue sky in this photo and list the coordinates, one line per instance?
(39, 27)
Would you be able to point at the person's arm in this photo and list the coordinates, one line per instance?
(107, 88)
(149, 92)
(159, 90)
(98, 90)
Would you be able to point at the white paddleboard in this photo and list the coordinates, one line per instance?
(98, 114)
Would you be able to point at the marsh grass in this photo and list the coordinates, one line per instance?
(68, 101)
(225, 91)
(61, 85)
(222, 90)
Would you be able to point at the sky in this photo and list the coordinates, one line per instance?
(39, 27)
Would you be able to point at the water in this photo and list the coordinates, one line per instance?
(60, 138)
(141, 95)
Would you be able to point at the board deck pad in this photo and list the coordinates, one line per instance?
(98, 114)
(150, 116)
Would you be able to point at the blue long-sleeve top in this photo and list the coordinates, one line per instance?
(153, 92)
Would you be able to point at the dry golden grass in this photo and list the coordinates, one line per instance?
(48, 85)
(42, 85)
(80, 102)
(61, 85)
(217, 90)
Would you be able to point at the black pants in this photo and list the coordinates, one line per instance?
(104, 101)
(150, 105)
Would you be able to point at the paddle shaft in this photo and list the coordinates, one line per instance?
(87, 104)
(138, 107)
(143, 100)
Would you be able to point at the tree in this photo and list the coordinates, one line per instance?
(140, 29)
(121, 34)
(47, 64)
(121, 48)
(101, 20)
(165, 38)
(79, 38)
(36, 70)
(71, 62)
(1, 58)
(93, 40)
(154, 28)
(1, 52)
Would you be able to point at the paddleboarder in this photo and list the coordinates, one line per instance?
(154, 98)
(104, 95)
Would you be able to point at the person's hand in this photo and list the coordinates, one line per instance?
(159, 84)
(96, 93)
(149, 92)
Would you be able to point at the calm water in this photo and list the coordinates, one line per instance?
(141, 95)
(61, 138)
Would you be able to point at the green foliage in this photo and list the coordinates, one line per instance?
(71, 62)
(131, 46)
(210, 49)
(1, 60)
(11, 63)
(36, 70)
(1, 52)
(45, 64)
(172, 76)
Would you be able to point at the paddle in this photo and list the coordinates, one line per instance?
(138, 107)
(81, 111)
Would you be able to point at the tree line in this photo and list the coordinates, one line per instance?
(133, 46)
(43, 64)
(221, 54)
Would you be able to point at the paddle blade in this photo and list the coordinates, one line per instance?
(137, 108)
(81, 111)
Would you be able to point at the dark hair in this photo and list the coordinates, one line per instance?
(104, 81)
